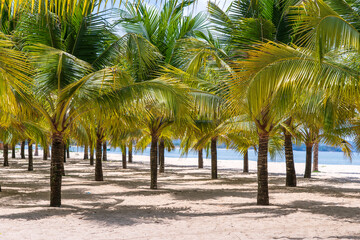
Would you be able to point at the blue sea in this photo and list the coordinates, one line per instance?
(333, 158)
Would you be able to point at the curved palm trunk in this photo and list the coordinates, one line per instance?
(262, 168)
(316, 157)
(307, 173)
(213, 159)
(45, 152)
(30, 152)
(162, 156)
(98, 165)
(153, 161)
(36, 150)
(86, 152)
(13, 151)
(200, 159)
(130, 153)
(246, 162)
(104, 151)
(57, 162)
(91, 156)
(123, 151)
(22, 152)
(6, 155)
(289, 159)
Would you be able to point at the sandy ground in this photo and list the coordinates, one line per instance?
(187, 205)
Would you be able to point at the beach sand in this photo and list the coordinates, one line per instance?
(187, 205)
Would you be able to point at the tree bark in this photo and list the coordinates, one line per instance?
(153, 161)
(6, 155)
(213, 158)
(307, 173)
(289, 159)
(316, 157)
(130, 150)
(262, 170)
(22, 153)
(64, 153)
(86, 152)
(200, 159)
(123, 151)
(68, 151)
(57, 162)
(98, 165)
(45, 153)
(162, 156)
(104, 151)
(30, 152)
(13, 151)
(48, 151)
(36, 150)
(91, 156)
(246, 162)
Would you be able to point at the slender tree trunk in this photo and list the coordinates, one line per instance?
(246, 162)
(91, 156)
(130, 152)
(13, 151)
(86, 152)
(104, 151)
(263, 189)
(153, 161)
(22, 153)
(57, 162)
(289, 159)
(162, 156)
(45, 152)
(123, 151)
(48, 151)
(6, 155)
(68, 152)
(30, 152)
(200, 159)
(98, 165)
(36, 150)
(316, 157)
(213, 158)
(308, 161)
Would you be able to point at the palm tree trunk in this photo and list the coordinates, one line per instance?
(36, 150)
(316, 157)
(64, 153)
(13, 151)
(213, 159)
(104, 151)
(6, 155)
(246, 162)
(289, 159)
(48, 151)
(123, 151)
(262, 168)
(30, 152)
(91, 156)
(57, 162)
(162, 156)
(98, 165)
(45, 153)
(153, 161)
(86, 152)
(200, 159)
(130, 153)
(68, 152)
(308, 161)
(22, 153)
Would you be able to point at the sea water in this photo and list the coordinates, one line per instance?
(333, 158)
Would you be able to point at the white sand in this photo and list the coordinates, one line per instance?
(187, 205)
